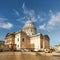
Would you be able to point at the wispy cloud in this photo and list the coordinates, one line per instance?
(20, 19)
(4, 24)
(49, 21)
(25, 11)
(29, 13)
(52, 23)
(43, 27)
(55, 18)
(16, 12)
(42, 17)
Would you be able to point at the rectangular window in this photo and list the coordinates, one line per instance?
(17, 45)
(18, 39)
(22, 39)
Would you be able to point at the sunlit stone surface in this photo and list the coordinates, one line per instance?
(22, 56)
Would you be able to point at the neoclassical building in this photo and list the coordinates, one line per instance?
(27, 38)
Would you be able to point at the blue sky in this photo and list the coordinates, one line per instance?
(44, 13)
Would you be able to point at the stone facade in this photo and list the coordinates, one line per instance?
(10, 40)
(27, 38)
(40, 41)
(46, 41)
(22, 40)
(1, 43)
(57, 47)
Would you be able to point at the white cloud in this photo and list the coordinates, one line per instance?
(42, 27)
(52, 23)
(16, 12)
(54, 19)
(32, 14)
(25, 11)
(28, 12)
(39, 18)
(6, 25)
(34, 19)
(20, 19)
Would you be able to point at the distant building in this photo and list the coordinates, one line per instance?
(27, 38)
(1, 43)
(57, 47)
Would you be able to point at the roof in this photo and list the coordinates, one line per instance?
(11, 33)
(20, 31)
(29, 24)
(36, 35)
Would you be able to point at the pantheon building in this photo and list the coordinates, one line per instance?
(27, 38)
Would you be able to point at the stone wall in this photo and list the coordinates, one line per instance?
(25, 41)
(10, 40)
(46, 42)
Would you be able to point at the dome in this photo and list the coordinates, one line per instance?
(29, 27)
(29, 24)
